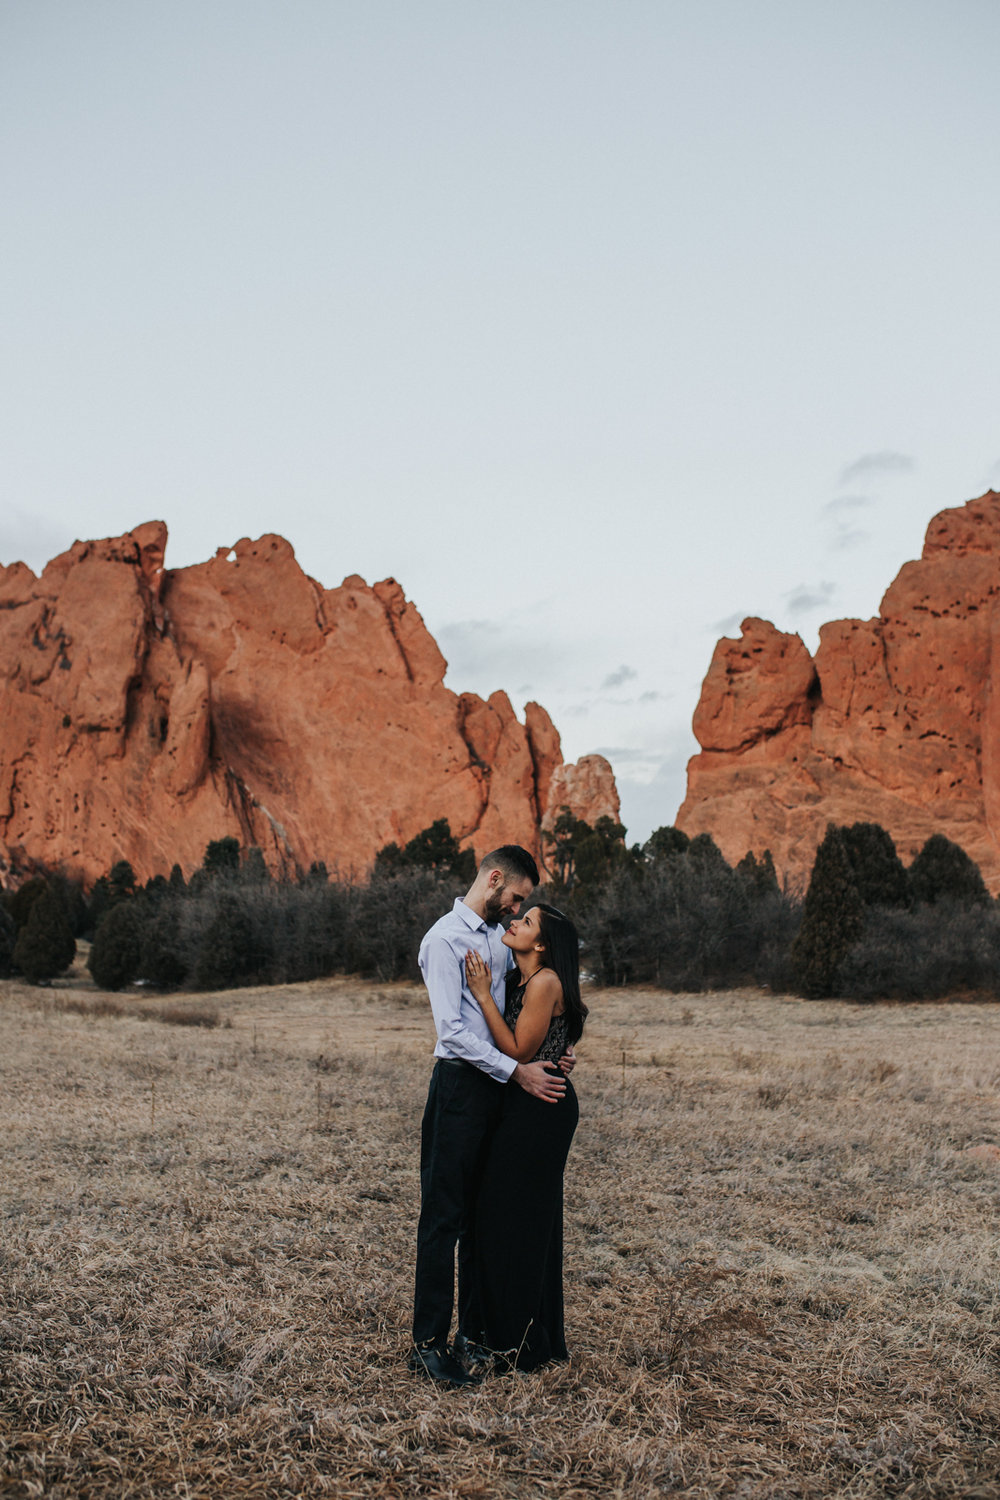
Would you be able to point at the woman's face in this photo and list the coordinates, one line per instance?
(525, 933)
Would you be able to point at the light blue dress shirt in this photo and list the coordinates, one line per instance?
(461, 1026)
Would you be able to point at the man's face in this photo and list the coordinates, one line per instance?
(505, 900)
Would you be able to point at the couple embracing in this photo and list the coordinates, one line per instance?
(497, 1127)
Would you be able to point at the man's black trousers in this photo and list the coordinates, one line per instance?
(463, 1110)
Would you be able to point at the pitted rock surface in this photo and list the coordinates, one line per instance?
(895, 721)
(146, 711)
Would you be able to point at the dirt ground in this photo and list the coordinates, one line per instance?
(781, 1276)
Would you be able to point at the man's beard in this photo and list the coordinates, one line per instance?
(495, 907)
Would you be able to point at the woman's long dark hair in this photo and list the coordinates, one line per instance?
(562, 954)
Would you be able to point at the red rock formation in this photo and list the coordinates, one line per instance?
(586, 788)
(896, 721)
(144, 712)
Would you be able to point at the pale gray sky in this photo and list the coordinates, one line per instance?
(598, 325)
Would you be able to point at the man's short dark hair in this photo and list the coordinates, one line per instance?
(515, 862)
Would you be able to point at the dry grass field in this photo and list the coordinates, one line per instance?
(782, 1260)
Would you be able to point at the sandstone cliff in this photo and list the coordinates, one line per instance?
(895, 721)
(145, 711)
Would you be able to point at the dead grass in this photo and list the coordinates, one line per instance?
(781, 1266)
(171, 1014)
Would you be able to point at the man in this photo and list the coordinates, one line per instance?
(463, 1104)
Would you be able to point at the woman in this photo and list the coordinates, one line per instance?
(518, 1229)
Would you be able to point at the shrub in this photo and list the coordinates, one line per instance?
(8, 936)
(927, 953)
(110, 890)
(45, 945)
(284, 931)
(314, 930)
(687, 923)
(116, 953)
(878, 870)
(69, 894)
(942, 871)
(20, 902)
(163, 959)
(234, 950)
(390, 917)
(254, 871)
(831, 919)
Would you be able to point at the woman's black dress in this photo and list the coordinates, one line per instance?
(519, 1215)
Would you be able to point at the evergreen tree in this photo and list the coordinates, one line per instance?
(222, 857)
(122, 878)
(767, 875)
(45, 945)
(832, 918)
(234, 950)
(599, 852)
(8, 936)
(389, 861)
(665, 843)
(758, 876)
(562, 844)
(176, 881)
(163, 959)
(116, 951)
(69, 894)
(704, 850)
(254, 870)
(110, 890)
(942, 871)
(157, 887)
(434, 848)
(878, 870)
(20, 902)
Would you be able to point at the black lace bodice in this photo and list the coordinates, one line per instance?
(554, 1042)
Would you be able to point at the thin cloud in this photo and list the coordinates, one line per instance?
(881, 465)
(620, 676)
(486, 654)
(626, 754)
(849, 536)
(652, 783)
(651, 697)
(847, 502)
(809, 597)
(731, 622)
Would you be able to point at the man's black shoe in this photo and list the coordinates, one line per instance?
(476, 1358)
(439, 1365)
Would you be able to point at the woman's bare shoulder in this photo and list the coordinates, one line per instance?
(544, 985)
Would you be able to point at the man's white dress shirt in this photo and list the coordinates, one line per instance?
(461, 1026)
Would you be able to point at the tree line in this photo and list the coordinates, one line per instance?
(671, 912)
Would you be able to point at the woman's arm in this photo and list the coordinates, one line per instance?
(540, 999)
